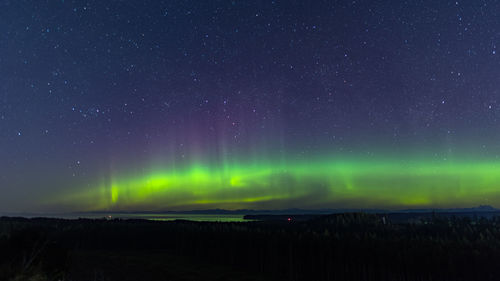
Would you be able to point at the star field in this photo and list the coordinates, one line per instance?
(97, 98)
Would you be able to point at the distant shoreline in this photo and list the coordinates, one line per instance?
(404, 216)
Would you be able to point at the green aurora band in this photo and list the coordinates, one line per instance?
(297, 184)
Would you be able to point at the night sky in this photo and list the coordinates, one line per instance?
(180, 105)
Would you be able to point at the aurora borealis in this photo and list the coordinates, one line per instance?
(190, 105)
(304, 184)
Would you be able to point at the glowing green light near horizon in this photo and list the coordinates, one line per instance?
(299, 184)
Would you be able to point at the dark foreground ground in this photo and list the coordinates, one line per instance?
(350, 246)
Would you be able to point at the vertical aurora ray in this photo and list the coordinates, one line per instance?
(354, 183)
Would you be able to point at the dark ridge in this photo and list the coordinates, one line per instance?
(348, 246)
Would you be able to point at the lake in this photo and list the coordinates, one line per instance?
(156, 217)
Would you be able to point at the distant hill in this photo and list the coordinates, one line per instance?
(292, 211)
(481, 208)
